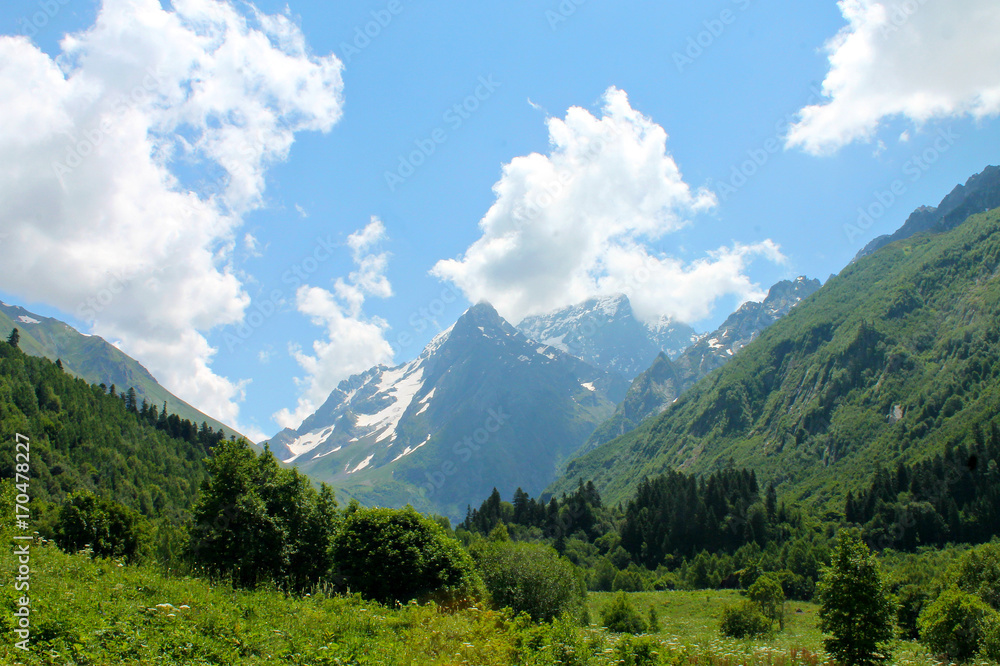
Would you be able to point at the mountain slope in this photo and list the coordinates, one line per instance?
(83, 438)
(659, 387)
(980, 193)
(605, 333)
(482, 406)
(95, 360)
(892, 360)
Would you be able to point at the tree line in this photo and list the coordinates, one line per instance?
(953, 497)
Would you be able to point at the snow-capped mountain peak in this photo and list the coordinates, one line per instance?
(404, 425)
(605, 332)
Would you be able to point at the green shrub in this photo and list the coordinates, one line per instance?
(109, 528)
(654, 620)
(956, 624)
(637, 651)
(529, 578)
(745, 620)
(395, 556)
(621, 616)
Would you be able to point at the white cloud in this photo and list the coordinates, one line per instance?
(659, 286)
(917, 59)
(101, 225)
(577, 222)
(353, 343)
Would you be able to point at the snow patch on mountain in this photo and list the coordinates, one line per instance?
(408, 450)
(606, 333)
(307, 443)
(361, 465)
(559, 342)
(401, 385)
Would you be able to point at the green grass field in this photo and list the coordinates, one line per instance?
(689, 624)
(101, 613)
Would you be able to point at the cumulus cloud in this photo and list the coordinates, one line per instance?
(101, 222)
(354, 343)
(578, 221)
(916, 59)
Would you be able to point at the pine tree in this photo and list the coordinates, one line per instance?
(131, 401)
(771, 502)
(14, 338)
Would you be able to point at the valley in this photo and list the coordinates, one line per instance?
(555, 333)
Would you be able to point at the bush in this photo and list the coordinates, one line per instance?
(109, 528)
(621, 616)
(745, 620)
(395, 556)
(956, 624)
(639, 651)
(654, 620)
(529, 578)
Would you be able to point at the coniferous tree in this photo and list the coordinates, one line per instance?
(14, 338)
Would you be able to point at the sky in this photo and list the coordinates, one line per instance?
(257, 200)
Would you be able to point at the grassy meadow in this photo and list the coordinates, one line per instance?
(101, 612)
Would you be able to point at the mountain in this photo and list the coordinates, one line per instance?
(95, 360)
(606, 333)
(894, 360)
(82, 438)
(980, 193)
(657, 388)
(481, 407)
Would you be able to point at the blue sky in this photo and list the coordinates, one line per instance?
(321, 204)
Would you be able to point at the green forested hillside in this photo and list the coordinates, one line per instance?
(92, 358)
(84, 438)
(894, 359)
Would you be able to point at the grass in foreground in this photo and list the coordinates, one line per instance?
(100, 613)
